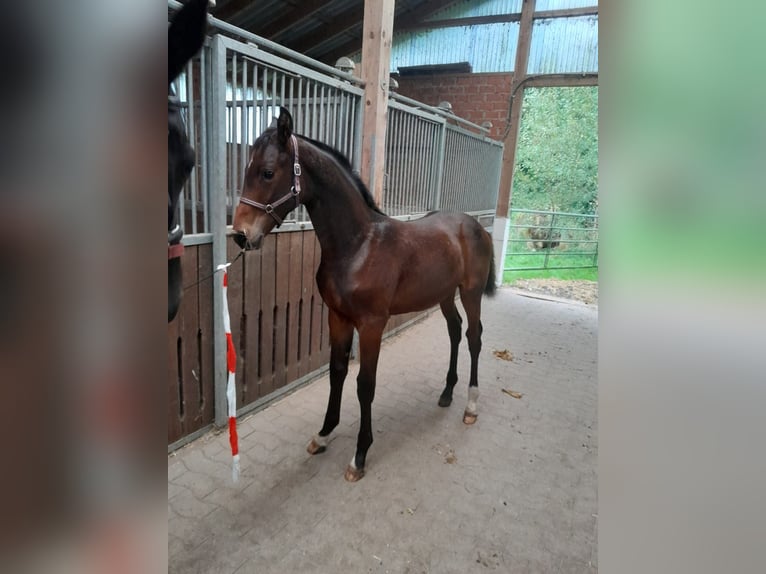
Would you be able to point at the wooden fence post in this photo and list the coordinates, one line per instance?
(376, 59)
(500, 230)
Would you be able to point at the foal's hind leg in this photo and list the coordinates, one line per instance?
(341, 335)
(472, 305)
(454, 323)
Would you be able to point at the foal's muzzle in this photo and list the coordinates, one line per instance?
(241, 240)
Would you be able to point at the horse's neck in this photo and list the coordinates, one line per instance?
(339, 214)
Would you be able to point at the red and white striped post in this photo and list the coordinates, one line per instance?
(231, 365)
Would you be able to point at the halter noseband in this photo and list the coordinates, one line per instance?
(294, 192)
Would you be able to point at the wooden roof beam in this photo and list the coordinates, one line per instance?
(350, 18)
(299, 12)
(230, 9)
(497, 18)
(423, 11)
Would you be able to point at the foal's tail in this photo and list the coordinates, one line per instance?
(490, 287)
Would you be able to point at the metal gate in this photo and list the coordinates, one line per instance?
(230, 92)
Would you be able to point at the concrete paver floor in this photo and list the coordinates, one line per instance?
(516, 492)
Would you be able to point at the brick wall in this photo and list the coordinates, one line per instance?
(475, 97)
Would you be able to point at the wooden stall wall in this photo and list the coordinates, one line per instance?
(190, 349)
(278, 323)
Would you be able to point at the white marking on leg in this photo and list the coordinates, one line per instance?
(352, 464)
(473, 396)
(322, 440)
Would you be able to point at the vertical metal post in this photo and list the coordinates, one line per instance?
(441, 151)
(217, 203)
(204, 98)
(548, 241)
(231, 148)
(358, 115)
(190, 124)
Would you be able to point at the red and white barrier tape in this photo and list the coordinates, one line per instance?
(231, 365)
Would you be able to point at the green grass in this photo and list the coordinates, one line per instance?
(556, 259)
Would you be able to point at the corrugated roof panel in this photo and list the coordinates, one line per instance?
(469, 8)
(563, 4)
(488, 48)
(561, 45)
(564, 45)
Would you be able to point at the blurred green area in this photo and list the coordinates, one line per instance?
(683, 121)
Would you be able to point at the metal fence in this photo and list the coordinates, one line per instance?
(432, 164)
(324, 108)
(471, 172)
(230, 92)
(551, 240)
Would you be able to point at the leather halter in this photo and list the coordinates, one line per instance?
(175, 247)
(294, 192)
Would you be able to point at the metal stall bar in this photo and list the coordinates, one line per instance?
(190, 125)
(218, 219)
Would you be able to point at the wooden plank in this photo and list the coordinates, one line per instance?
(230, 9)
(496, 19)
(235, 299)
(188, 328)
(281, 299)
(294, 298)
(308, 285)
(376, 58)
(205, 337)
(268, 302)
(315, 302)
(294, 16)
(174, 421)
(517, 98)
(337, 26)
(561, 80)
(251, 310)
(417, 14)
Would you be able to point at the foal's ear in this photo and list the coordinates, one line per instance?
(186, 35)
(284, 126)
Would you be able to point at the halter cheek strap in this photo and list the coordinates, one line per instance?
(294, 192)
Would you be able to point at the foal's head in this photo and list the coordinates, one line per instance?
(272, 182)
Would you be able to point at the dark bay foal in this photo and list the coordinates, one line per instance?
(372, 266)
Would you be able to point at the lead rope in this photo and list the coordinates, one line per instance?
(231, 365)
(209, 275)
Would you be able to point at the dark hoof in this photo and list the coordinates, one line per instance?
(445, 401)
(353, 474)
(315, 448)
(469, 419)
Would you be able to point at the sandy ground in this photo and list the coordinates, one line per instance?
(576, 290)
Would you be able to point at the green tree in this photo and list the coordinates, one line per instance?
(557, 154)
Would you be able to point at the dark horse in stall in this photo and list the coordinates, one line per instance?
(372, 266)
(185, 36)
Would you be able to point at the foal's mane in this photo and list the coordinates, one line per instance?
(344, 163)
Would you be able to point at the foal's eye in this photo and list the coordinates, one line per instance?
(268, 174)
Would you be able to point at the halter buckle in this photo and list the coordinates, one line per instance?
(297, 169)
(269, 208)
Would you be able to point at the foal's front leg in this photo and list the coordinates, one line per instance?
(341, 335)
(370, 335)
